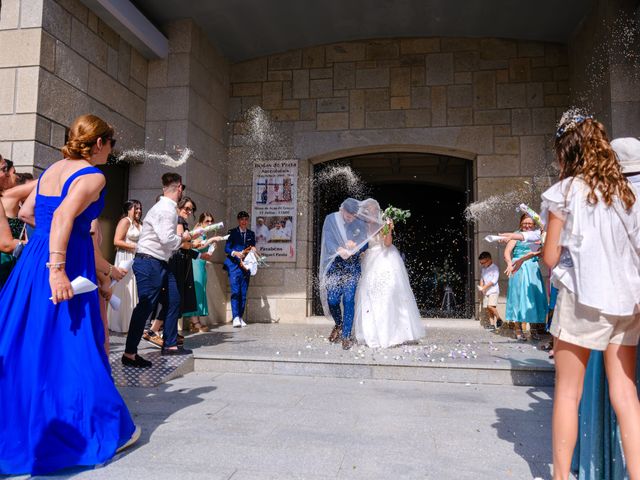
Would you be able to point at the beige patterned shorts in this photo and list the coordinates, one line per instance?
(490, 300)
(587, 327)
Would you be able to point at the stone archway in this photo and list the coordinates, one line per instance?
(436, 184)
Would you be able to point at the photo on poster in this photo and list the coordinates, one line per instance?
(274, 191)
(274, 229)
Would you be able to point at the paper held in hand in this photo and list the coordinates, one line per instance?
(492, 238)
(203, 230)
(81, 285)
(114, 301)
(124, 265)
(212, 247)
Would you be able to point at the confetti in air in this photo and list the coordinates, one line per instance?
(344, 177)
(141, 155)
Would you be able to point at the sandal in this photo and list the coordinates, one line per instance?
(195, 327)
(547, 348)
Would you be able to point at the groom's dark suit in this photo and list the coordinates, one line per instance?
(343, 274)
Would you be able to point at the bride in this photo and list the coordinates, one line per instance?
(386, 309)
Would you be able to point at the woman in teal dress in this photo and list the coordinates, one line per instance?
(200, 276)
(60, 407)
(526, 295)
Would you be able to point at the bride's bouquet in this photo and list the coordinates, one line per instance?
(396, 215)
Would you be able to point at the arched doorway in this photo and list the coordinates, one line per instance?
(436, 243)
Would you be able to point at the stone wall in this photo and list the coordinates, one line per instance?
(604, 57)
(495, 101)
(62, 61)
(187, 106)
(20, 59)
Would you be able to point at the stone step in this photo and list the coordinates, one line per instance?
(453, 351)
(472, 374)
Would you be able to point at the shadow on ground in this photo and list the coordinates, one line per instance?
(529, 430)
(160, 403)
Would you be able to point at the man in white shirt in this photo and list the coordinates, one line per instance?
(490, 289)
(288, 228)
(158, 240)
(262, 232)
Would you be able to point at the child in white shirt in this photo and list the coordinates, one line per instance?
(490, 289)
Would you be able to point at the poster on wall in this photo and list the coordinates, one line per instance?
(274, 208)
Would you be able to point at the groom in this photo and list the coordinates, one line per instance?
(342, 233)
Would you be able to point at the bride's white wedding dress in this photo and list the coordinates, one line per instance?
(386, 310)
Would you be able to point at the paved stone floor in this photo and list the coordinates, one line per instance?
(253, 426)
(241, 427)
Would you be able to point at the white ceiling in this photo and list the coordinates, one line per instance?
(244, 29)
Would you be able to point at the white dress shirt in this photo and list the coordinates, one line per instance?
(491, 274)
(158, 237)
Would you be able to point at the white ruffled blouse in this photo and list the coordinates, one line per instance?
(600, 260)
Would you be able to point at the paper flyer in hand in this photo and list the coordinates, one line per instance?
(81, 285)
(124, 265)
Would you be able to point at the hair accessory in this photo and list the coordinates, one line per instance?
(570, 120)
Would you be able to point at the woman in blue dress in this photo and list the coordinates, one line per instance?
(198, 316)
(526, 296)
(59, 406)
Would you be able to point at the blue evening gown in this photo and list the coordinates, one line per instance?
(526, 295)
(598, 454)
(59, 406)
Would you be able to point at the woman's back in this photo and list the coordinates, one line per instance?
(66, 411)
(53, 187)
(600, 261)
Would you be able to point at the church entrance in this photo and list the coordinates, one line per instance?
(436, 242)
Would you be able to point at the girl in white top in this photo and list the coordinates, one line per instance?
(593, 241)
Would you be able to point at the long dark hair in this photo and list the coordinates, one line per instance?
(186, 200)
(202, 217)
(128, 205)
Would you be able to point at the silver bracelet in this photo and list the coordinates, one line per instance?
(55, 265)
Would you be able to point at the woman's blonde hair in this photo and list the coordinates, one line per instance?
(583, 150)
(83, 134)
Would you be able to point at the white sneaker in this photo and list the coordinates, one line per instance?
(242, 324)
(236, 322)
